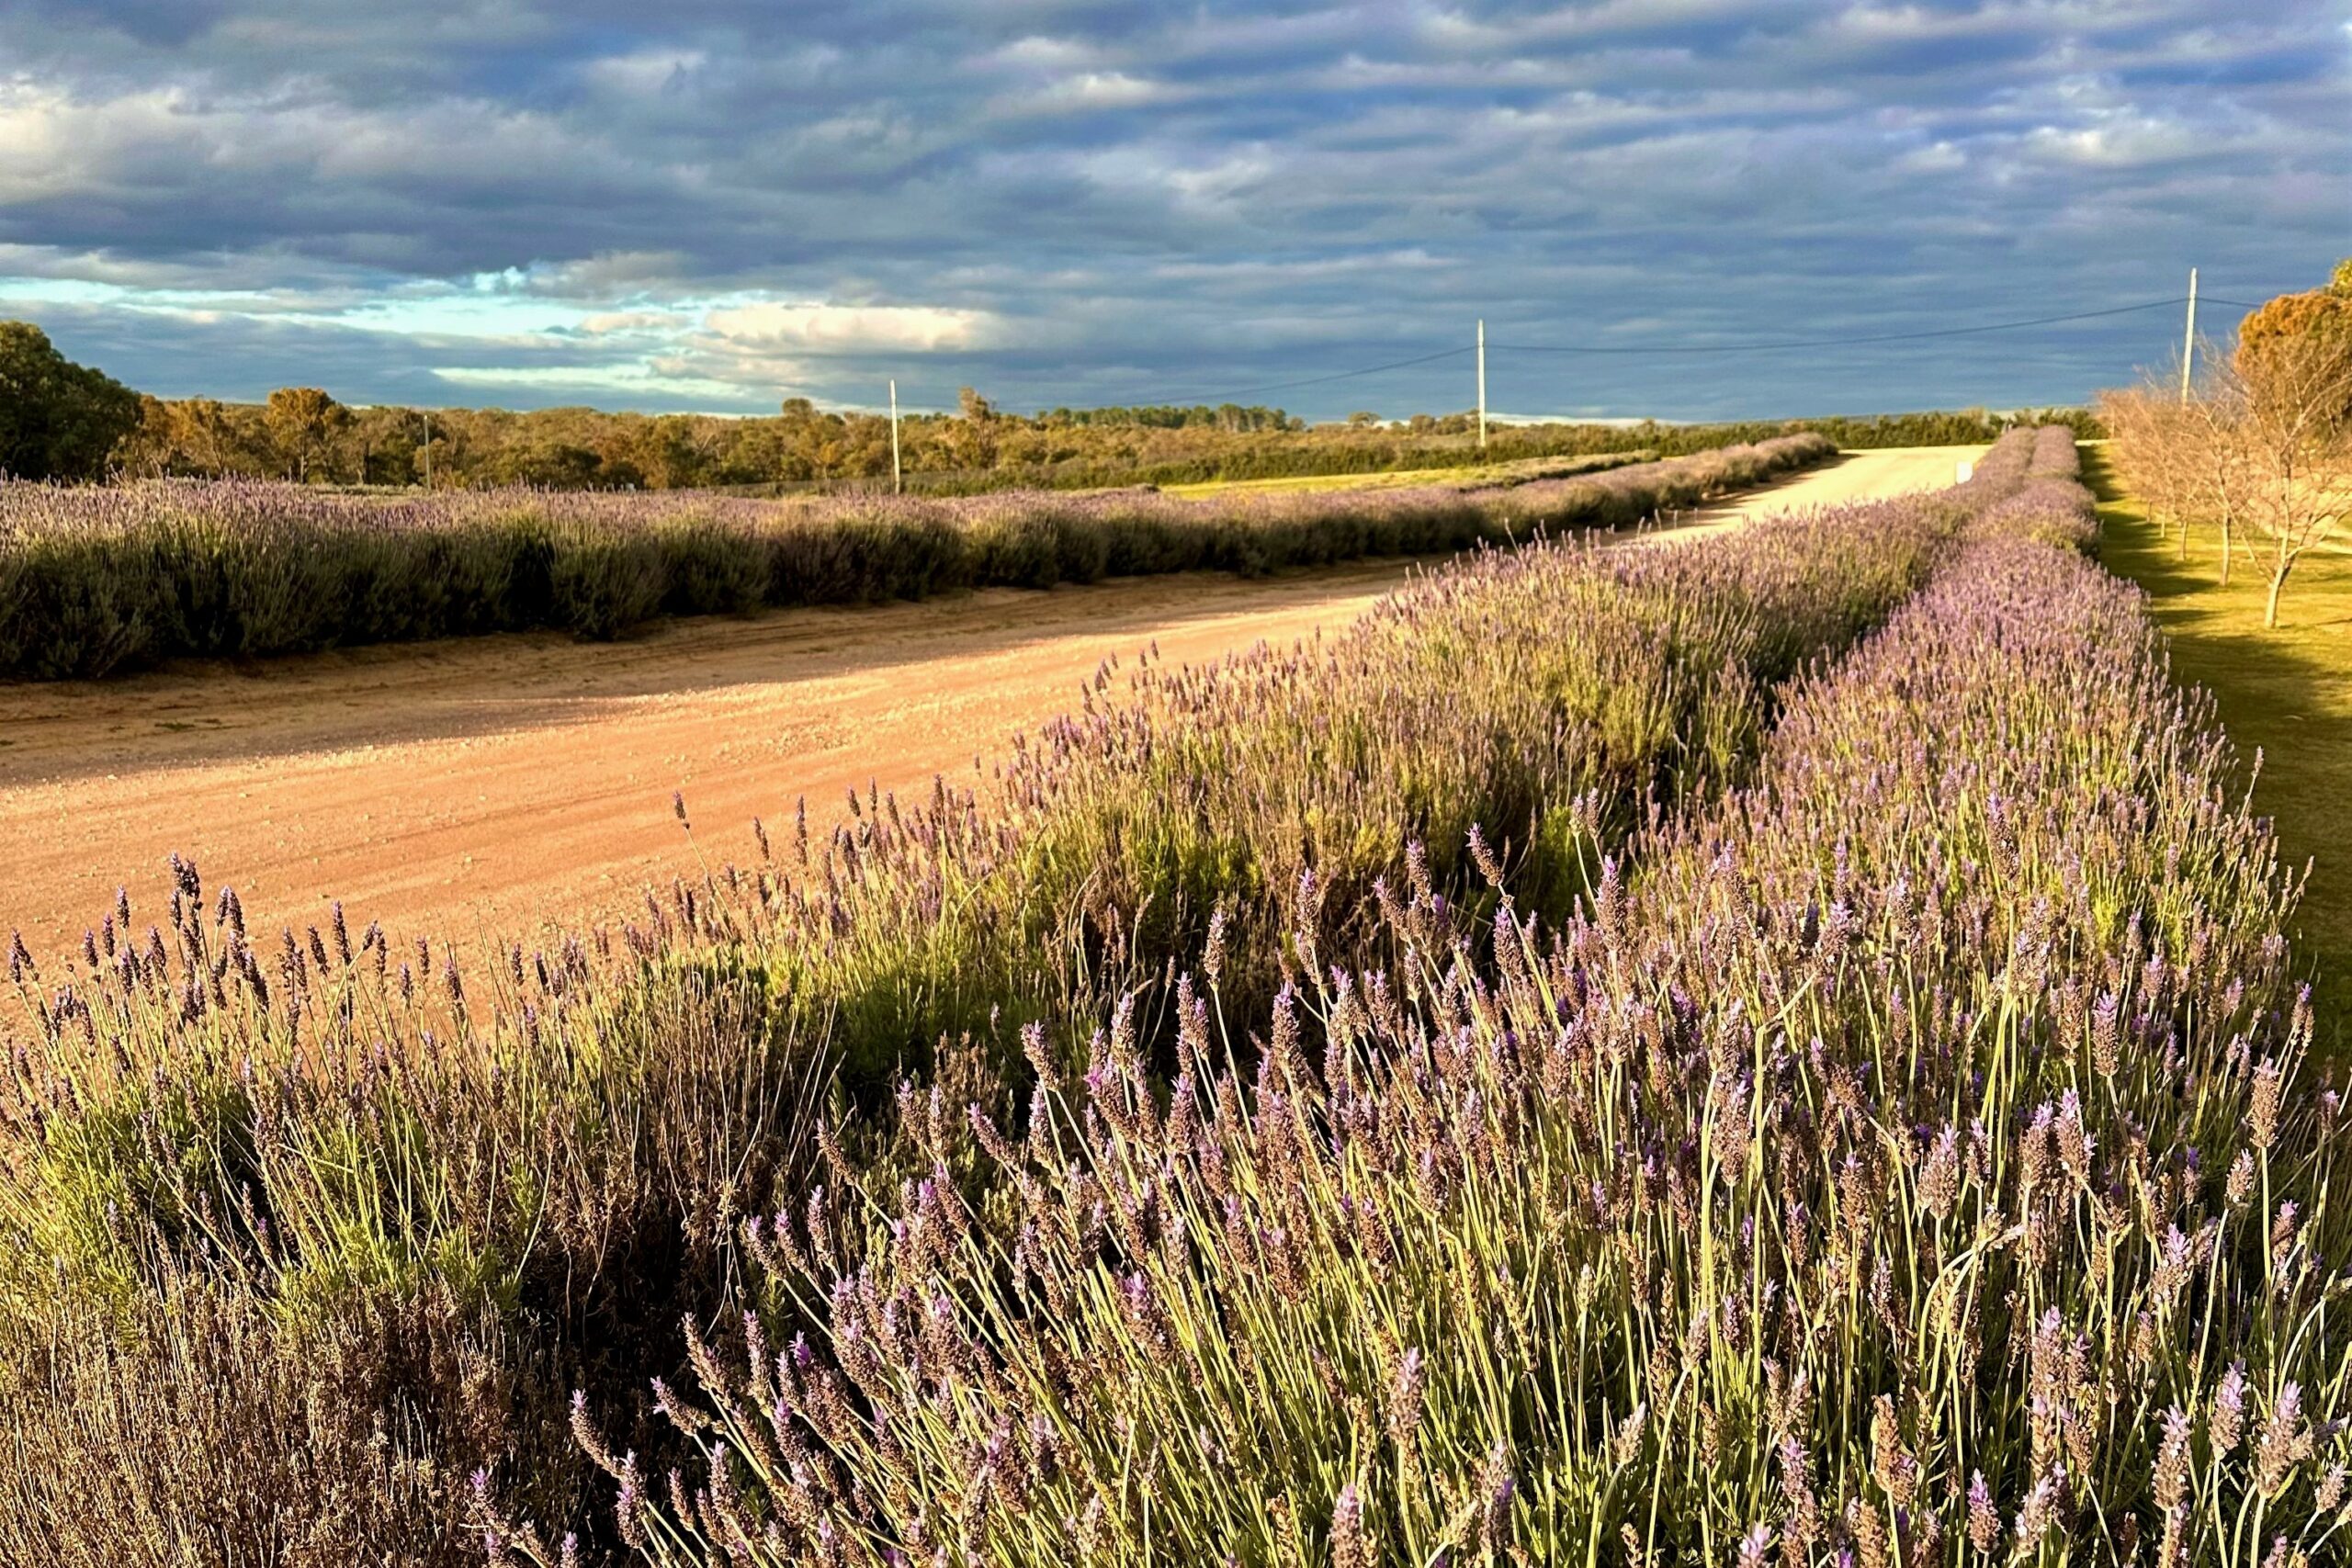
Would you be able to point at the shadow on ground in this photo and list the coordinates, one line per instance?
(2285, 692)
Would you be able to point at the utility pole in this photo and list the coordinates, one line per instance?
(2188, 338)
(426, 415)
(1482, 383)
(897, 479)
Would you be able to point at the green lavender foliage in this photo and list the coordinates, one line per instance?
(477, 1186)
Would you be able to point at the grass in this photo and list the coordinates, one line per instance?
(2286, 691)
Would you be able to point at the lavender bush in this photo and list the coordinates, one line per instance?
(96, 580)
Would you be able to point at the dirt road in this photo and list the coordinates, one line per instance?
(1856, 475)
(490, 784)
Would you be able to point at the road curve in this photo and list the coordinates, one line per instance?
(1874, 475)
(491, 784)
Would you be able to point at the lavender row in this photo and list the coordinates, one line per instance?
(96, 579)
(1555, 698)
(1914, 1162)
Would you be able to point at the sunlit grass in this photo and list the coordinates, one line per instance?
(2287, 692)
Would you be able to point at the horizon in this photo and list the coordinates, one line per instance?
(508, 204)
(1497, 417)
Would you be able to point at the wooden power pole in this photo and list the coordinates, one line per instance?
(1482, 383)
(2188, 338)
(897, 479)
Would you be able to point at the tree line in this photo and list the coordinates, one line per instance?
(63, 421)
(58, 419)
(2258, 449)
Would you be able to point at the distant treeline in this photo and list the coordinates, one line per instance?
(73, 424)
(979, 448)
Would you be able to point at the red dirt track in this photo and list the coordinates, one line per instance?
(489, 783)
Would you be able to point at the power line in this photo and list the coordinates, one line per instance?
(1844, 342)
(1186, 399)
(1193, 398)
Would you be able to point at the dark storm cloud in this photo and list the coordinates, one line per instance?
(715, 203)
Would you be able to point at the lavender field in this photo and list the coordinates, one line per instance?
(95, 579)
(1779, 1049)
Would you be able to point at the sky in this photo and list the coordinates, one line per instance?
(720, 204)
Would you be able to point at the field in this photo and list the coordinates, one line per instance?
(95, 579)
(1775, 1048)
(495, 783)
(2285, 692)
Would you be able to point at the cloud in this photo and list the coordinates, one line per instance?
(614, 275)
(639, 385)
(617, 321)
(645, 72)
(1039, 53)
(771, 326)
(1085, 91)
(1067, 201)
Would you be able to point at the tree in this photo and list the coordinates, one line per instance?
(2291, 324)
(971, 440)
(197, 437)
(2263, 444)
(2296, 429)
(2182, 458)
(545, 462)
(235, 434)
(661, 451)
(147, 449)
(2317, 312)
(58, 419)
(304, 421)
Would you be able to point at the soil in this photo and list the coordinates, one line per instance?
(491, 784)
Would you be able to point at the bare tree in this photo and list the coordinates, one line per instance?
(2219, 473)
(2181, 458)
(2144, 442)
(2261, 449)
(2296, 441)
